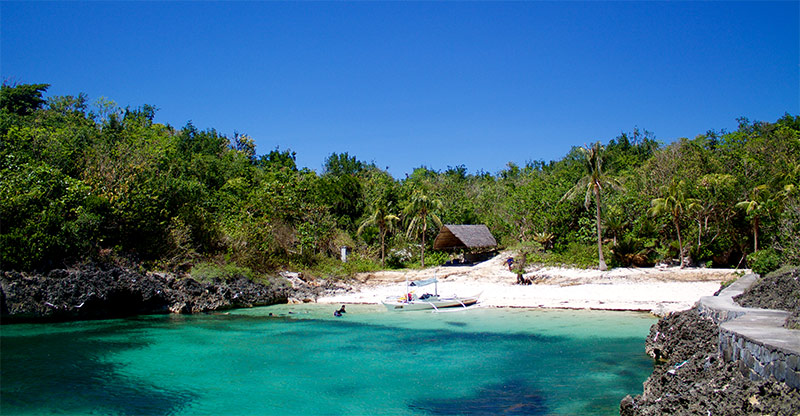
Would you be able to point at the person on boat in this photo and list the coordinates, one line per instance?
(341, 311)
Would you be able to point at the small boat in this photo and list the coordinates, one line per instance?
(411, 302)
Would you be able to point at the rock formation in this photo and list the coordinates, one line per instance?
(99, 292)
(690, 378)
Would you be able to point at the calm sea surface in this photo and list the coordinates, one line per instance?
(304, 361)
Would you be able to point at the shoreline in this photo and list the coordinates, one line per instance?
(659, 291)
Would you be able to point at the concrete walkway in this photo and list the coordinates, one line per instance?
(754, 336)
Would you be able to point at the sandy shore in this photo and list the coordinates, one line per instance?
(657, 290)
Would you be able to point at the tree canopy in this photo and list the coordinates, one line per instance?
(91, 181)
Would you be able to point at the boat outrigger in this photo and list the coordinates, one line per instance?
(411, 302)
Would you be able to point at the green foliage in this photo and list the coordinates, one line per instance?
(277, 160)
(727, 283)
(632, 251)
(46, 216)
(78, 180)
(419, 210)
(332, 268)
(436, 258)
(340, 189)
(593, 182)
(22, 99)
(675, 204)
(764, 261)
(526, 247)
(573, 255)
(788, 241)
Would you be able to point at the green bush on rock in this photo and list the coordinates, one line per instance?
(764, 261)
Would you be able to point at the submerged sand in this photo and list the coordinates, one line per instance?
(657, 290)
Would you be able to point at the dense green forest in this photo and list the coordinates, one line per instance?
(95, 182)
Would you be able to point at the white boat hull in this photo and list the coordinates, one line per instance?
(394, 304)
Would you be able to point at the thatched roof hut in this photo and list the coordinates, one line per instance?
(453, 237)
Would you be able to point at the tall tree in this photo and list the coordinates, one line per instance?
(592, 183)
(714, 210)
(22, 99)
(675, 203)
(340, 188)
(384, 220)
(418, 210)
(758, 206)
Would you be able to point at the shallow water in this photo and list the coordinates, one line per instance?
(303, 361)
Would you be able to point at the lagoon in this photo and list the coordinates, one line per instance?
(302, 360)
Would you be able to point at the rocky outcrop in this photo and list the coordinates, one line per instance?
(692, 377)
(778, 290)
(98, 292)
(309, 290)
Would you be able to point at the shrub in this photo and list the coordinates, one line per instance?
(399, 258)
(573, 255)
(436, 258)
(527, 246)
(631, 251)
(333, 268)
(726, 283)
(764, 261)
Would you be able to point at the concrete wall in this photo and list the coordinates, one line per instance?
(754, 337)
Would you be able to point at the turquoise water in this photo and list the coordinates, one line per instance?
(307, 362)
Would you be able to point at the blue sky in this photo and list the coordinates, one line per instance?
(406, 84)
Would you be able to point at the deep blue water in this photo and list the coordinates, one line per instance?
(307, 362)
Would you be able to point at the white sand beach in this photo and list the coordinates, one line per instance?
(657, 290)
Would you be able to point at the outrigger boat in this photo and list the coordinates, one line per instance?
(411, 302)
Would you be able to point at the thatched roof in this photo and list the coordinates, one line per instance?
(464, 236)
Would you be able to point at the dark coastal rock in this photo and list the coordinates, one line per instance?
(690, 379)
(777, 290)
(679, 335)
(98, 292)
(307, 291)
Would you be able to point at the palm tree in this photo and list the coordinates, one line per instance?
(615, 223)
(676, 204)
(418, 209)
(385, 221)
(757, 207)
(593, 183)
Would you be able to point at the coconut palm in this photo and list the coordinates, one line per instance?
(615, 223)
(592, 184)
(545, 239)
(417, 211)
(384, 220)
(757, 207)
(675, 203)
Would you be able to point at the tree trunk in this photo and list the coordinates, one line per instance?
(680, 242)
(383, 250)
(424, 228)
(699, 234)
(602, 266)
(755, 235)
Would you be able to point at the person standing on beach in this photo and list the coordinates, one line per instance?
(520, 269)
